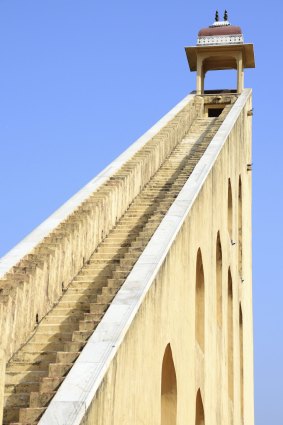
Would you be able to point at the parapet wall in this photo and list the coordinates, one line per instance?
(35, 273)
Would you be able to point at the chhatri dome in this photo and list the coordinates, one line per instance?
(220, 32)
(220, 46)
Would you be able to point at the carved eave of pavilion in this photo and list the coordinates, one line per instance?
(220, 56)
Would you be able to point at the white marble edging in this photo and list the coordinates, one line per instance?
(79, 387)
(39, 233)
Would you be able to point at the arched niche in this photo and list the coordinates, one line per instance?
(200, 419)
(219, 279)
(241, 362)
(240, 227)
(230, 338)
(168, 389)
(200, 302)
(230, 210)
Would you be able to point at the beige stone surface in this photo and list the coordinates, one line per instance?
(131, 391)
(183, 352)
(2, 382)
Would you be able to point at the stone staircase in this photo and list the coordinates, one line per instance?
(36, 371)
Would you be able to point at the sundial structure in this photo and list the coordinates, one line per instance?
(132, 304)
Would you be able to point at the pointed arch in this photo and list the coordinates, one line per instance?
(230, 337)
(219, 279)
(230, 209)
(241, 362)
(199, 300)
(240, 226)
(200, 419)
(168, 389)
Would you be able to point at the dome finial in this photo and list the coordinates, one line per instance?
(216, 16)
(225, 15)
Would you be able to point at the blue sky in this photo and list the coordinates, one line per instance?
(81, 80)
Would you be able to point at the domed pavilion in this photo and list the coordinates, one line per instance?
(220, 46)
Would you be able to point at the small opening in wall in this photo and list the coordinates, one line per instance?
(200, 305)
(199, 410)
(168, 389)
(36, 319)
(214, 112)
(230, 210)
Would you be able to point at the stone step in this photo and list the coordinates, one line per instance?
(128, 262)
(48, 385)
(120, 274)
(109, 291)
(81, 336)
(72, 346)
(10, 415)
(112, 250)
(115, 283)
(80, 305)
(23, 387)
(12, 378)
(98, 307)
(59, 369)
(89, 283)
(101, 267)
(131, 256)
(90, 278)
(82, 286)
(38, 347)
(32, 356)
(40, 399)
(16, 399)
(52, 328)
(93, 316)
(31, 415)
(66, 357)
(93, 261)
(69, 312)
(103, 256)
(63, 320)
(87, 325)
(48, 336)
(88, 289)
(17, 366)
(104, 298)
(79, 298)
(92, 272)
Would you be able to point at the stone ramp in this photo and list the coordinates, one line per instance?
(36, 371)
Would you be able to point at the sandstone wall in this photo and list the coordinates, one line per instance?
(130, 392)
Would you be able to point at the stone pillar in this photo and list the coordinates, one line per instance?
(199, 75)
(240, 74)
(202, 79)
(2, 382)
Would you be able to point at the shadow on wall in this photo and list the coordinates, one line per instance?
(199, 320)
(199, 410)
(168, 389)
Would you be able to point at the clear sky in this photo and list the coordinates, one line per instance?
(80, 80)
